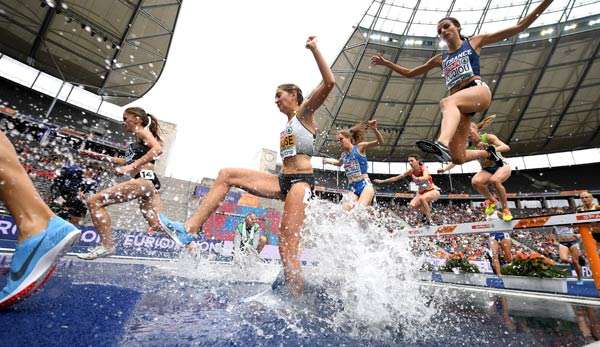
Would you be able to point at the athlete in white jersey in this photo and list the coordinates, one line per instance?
(294, 184)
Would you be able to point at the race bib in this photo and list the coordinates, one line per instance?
(352, 169)
(457, 69)
(287, 143)
(422, 184)
(147, 174)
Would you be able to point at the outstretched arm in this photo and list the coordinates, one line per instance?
(318, 96)
(332, 161)
(446, 168)
(392, 179)
(479, 41)
(363, 146)
(500, 146)
(436, 61)
(103, 157)
(155, 150)
(424, 174)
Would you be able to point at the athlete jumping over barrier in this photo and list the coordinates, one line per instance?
(468, 93)
(354, 159)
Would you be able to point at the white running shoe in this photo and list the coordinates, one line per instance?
(97, 252)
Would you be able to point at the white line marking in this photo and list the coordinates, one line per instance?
(519, 293)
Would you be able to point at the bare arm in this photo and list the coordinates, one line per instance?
(424, 174)
(335, 162)
(363, 146)
(500, 146)
(155, 148)
(103, 157)
(392, 179)
(478, 41)
(434, 62)
(318, 96)
(447, 168)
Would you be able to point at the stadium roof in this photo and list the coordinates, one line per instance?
(114, 48)
(545, 81)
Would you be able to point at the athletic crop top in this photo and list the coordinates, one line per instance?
(423, 184)
(135, 151)
(460, 65)
(355, 164)
(485, 162)
(296, 139)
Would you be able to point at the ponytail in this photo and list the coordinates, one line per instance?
(148, 121)
(485, 122)
(356, 134)
(153, 126)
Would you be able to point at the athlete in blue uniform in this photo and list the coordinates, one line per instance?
(42, 236)
(144, 185)
(354, 160)
(468, 93)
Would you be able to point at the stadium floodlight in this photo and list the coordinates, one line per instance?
(594, 21)
(547, 31)
(442, 44)
(410, 42)
(570, 27)
(523, 35)
(418, 42)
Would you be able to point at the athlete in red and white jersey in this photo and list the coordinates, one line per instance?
(427, 191)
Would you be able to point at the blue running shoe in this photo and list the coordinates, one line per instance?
(35, 259)
(176, 230)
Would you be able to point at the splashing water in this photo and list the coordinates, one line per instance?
(361, 278)
(364, 261)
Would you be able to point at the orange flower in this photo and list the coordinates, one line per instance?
(521, 256)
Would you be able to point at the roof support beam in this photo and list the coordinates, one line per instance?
(482, 18)
(414, 99)
(361, 55)
(596, 133)
(162, 5)
(149, 36)
(511, 49)
(41, 35)
(395, 59)
(573, 94)
(565, 14)
(123, 37)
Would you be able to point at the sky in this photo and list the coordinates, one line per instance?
(225, 62)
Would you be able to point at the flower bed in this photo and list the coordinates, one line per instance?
(458, 261)
(533, 264)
